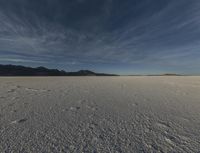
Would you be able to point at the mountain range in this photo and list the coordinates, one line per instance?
(17, 70)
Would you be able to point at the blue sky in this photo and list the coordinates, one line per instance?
(115, 36)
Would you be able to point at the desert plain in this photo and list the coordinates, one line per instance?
(124, 114)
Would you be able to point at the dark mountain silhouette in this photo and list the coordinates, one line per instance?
(15, 70)
(171, 74)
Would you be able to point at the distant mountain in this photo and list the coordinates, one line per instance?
(171, 74)
(15, 70)
(166, 74)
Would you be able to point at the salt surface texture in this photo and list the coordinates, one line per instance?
(100, 114)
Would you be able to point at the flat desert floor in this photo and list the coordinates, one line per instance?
(100, 114)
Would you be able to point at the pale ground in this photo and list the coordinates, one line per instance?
(100, 114)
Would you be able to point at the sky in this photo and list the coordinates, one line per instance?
(112, 36)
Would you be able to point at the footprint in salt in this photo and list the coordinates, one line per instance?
(93, 108)
(134, 104)
(92, 125)
(15, 98)
(37, 90)
(11, 90)
(19, 121)
(31, 89)
(162, 125)
(14, 111)
(168, 140)
(82, 101)
(44, 90)
(17, 86)
(75, 108)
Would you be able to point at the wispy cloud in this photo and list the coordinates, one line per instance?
(20, 60)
